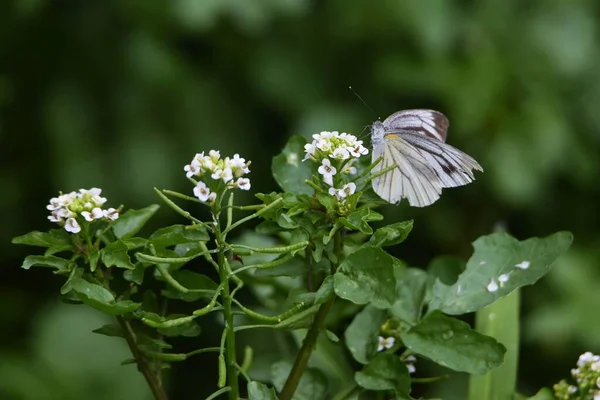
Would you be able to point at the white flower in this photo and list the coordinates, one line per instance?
(214, 155)
(54, 217)
(324, 145)
(410, 364)
(348, 189)
(212, 197)
(243, 183)
(341, 153)
(201, 191)
(91, 216)
(111, 214)
(225, 174)
(358, 149)
(72, 226)
(327, 170)
(192, 169)
(385, 343)
(348, 169)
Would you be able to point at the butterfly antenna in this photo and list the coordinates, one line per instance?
(361, 99)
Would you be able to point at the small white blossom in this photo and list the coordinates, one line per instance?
(72, 226)
(385, 343)
(410, 364)
(349, 189)
(226, 170)
(201, 191)
(243, 183)
(328, 171)
(335, 145)
(96, 213)
(341, 153)
(111, 213)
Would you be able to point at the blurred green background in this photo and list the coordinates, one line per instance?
(121, 95)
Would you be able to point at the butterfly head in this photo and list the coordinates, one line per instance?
(377, 133)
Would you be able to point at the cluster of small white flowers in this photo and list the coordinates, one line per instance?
(587, 376)
(66, 208)
(230, 171)
(346, 190)
(335, 145)
(385, 343)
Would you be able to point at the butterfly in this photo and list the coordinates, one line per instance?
(414, 141)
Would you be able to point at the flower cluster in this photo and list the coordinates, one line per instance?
(587, 376)
(227, 171)
(68, 209)
(334, 145)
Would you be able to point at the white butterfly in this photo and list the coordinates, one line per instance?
(414, 141)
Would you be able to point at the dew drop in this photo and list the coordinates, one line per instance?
(492, 286)
(482, 263)
(523, 265)
(447, 335)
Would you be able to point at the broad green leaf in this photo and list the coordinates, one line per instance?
(132, 221)
(325, 291)
(411, 287)
(112, 330)
(499, 320)
(260, 391)
(446, 269)
(453, 344)
(115, 254)
(178, 234)
(367, 276)
(362, 333)
(359, 220)
(61, 265)
(288, 169)
(312, 386)
(499, 265)
(135, 275)
(189, 329)
(391, 235)
(55, 240)
(100, 298)
(542, 394)
(328, 201)
(193, 281)
(385, 372)
(133, 243)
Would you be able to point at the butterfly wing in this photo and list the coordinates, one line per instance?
(451, 166)
(412, 178)
(429, 123)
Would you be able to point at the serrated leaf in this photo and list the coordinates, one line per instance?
(100, 298)
(362, 333)
(260, 391)
(385, 372)
(111, 330)
(498, 256)
(359, 220)
(391, 235)
(312, 385)
(411, 288)
(178, 234)
(367, 276)
(453, 344)
(115, 254)
(60, 264)
(288, 169)
(132, 221)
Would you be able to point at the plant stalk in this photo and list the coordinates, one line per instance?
(143, 366)
(230, 360)
(310, 341)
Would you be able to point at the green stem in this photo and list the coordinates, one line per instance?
(143, 366)
(310, 341)
(231, 361)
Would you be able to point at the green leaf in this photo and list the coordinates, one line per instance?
(288, 169)
(328, 201)
(112, 330)
(391, 235)
(325, 291)
(178, 234)
(367, 276)
(132, 221)
(100, 298)
(445, 268)
(453, 344)
(385, 372)
(362, 333)
(260, 391)
(294, 267)
(498, 255)
(499, 320)
(359, 220)
(411, 288)
(312, 385)
(542, 394)
(55, 240)
(61, 265)
(189, 329)
(115, 254)
(193, 281)
(135, 275)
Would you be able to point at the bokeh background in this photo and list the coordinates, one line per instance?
(121, 95)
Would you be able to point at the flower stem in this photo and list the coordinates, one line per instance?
(310, 341)
(226, 301)
(144, 367)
